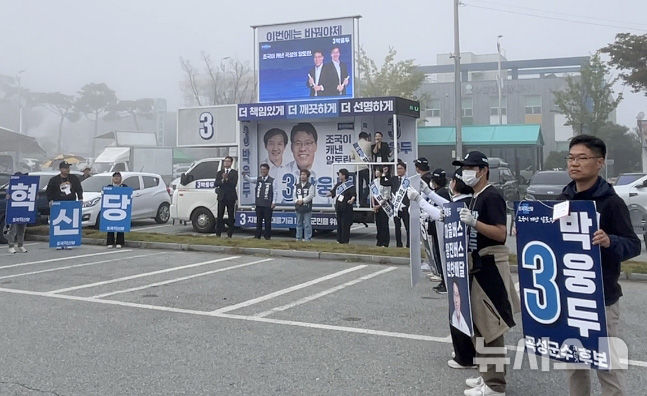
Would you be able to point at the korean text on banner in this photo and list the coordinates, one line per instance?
(457, 270)
(21, 199)
(116, 208)
(560, 279)
(65, 224)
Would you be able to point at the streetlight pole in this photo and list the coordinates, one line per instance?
(642, 130)
(19, 101)
(458, 108)
(499, 76)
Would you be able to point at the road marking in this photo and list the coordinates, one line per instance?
(151, 227)
(323, 293)
(285, 291)
(65, 258)
(166, 282)
(125, 278)
(79, 265)
(355, 330)
(357, 227)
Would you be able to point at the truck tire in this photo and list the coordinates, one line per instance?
(163, 213)
(203, 220)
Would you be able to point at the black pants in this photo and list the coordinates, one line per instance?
(344, 221)
(435, 247)
(220, 222)
(263, 215)
(464, 350)
(364, 188)
(402, 217)
(382, 224)
(111, 239)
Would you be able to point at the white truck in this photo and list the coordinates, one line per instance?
(158, 160)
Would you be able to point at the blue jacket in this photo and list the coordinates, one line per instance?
(615, 221)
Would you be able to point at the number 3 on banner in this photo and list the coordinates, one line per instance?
(206, 131)
(542, 301)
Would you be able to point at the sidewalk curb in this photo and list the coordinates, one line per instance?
(306, 254)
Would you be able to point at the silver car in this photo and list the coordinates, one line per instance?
(150, 196)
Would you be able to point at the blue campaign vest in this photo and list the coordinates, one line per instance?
(264, 191)
(302, 192)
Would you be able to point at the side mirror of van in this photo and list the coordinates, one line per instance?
(185, 179)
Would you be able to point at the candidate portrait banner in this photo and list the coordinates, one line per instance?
(65, 224)
(455, 240)
(306, 60)
(116, 208)
(560, 283)
(21, 199)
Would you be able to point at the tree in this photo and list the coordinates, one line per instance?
(133, 109)
(63, 106)
(623, 147)
(94, 101)
(556, 160)
(229, 81)
(588, 100)
(393, 78)
(629, 52)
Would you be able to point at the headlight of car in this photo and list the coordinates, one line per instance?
(92, 202)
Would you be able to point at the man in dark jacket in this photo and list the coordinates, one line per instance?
(65, 186)
(380, 151)
(618, 242)
(403, 214)
(345, 195)
(226, 181)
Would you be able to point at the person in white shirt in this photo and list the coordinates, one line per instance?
(304, 193)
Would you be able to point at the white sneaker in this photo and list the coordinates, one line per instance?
(474, 382)
(425, 267)
(482, 390)
(110, 246)
(21, 249)
(455, 365)
(434, 278)
(12, 250)
(118, 246)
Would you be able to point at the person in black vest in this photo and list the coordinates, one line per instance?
(266, 196)
(344, 194)
(110, 237)
(403, 214)
(383, 181)
(439, 186)
(226, 182)
(304, 193)
(380, 151)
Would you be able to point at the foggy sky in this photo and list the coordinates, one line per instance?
(134, 45)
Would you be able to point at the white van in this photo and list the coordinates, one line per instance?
(195, 198)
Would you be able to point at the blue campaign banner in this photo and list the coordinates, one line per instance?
(560, 283)
(65, 224)
(286, 220)
(116, 208)
(287, 68)
(21, 199)
(455, 238)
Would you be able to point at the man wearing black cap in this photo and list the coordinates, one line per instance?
(439, 186)
(344, 194)
(422, 169)
(493, 298)
(65, 186)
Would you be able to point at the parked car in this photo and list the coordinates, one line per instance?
(502, 178)
(547, 185)
(635, 196)
(627, 178)
(150, 197)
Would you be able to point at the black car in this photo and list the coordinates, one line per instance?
(502, 178)
(547, 185)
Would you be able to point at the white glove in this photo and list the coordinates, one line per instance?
(413, 194)
(424, 216)
(424, 188)
(467, 217)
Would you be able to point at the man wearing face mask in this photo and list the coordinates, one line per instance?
(493, 297)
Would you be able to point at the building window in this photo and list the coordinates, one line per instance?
(467, 107)
(494, 106)
(434, 108)
(533, 104)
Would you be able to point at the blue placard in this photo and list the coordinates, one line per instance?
(116, 208)
(560, 283)
(455, 238)
(286, 220)
(65, 224)
(21, 199)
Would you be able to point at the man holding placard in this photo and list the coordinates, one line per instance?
(21, 209)
(116, 206)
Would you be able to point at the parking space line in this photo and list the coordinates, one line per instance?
(323, 293)
(356, 330)
(65, 258)
(167, 282)
(151, 227)
(125, 278)
(286, 290)
(79, 265)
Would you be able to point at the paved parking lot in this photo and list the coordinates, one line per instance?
(136, 321)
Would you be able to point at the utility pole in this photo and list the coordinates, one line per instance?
(499, 76)
(642, 130)
(19, 101)
(457, 86)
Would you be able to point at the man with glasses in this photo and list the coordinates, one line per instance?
(618, 242)
(303, 143)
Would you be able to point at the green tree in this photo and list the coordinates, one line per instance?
(555, 160)
(629, 55)
(623, 147)
(588, 100)
(401, 78)
(61, 105)
(94, 101)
